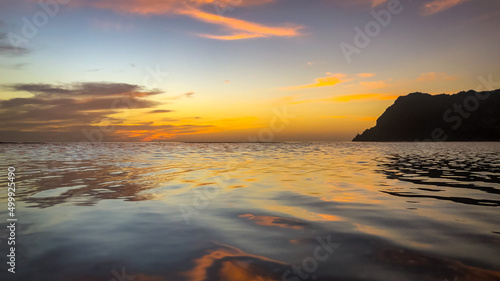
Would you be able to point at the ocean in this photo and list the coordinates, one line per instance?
(251, 211)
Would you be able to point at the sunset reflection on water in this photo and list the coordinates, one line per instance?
(173, 211)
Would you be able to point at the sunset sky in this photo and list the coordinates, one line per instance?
(230, 70)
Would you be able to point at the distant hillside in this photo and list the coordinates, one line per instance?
(465, 116)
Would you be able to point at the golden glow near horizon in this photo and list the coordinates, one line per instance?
(206, 70)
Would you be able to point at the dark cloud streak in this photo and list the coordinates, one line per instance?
(89, 89)
(62, 112)
(6, 49)
(160, 111)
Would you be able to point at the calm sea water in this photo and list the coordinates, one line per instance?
(289, 211)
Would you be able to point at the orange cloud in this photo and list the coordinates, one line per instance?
(242, 29)
(239, 29)
(156, 7)
(336, 78)
(366, 75)
(345, 98)
(331, 80)
(437, 6)
(434, 76)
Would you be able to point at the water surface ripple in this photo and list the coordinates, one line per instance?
(271, 211)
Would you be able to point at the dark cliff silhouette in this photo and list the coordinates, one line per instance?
(465, 116)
